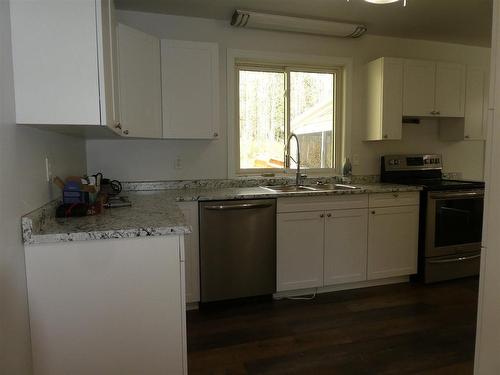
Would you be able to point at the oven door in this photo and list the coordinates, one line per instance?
(454, 222)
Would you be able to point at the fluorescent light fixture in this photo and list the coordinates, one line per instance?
(255, 20)
(381, 1)
(384, 1)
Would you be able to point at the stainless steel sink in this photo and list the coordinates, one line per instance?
(330, 187)
(304, 188)
(289, 188)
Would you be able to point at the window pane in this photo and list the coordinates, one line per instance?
(312, 117)
(262, 119)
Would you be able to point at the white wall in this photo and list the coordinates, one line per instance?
(154, 160)
(22, 189)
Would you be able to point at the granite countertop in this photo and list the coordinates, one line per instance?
(155, 213)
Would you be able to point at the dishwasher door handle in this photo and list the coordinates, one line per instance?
(244, 206)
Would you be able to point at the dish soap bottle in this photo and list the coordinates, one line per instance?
(347, 169)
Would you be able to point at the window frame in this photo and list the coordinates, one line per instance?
(286, 63)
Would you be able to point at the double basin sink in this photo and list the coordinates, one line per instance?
(305, 188)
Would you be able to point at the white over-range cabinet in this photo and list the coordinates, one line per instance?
(433, 89)
(108, 307)
(324, 241)
(75, 67)
(397, 88)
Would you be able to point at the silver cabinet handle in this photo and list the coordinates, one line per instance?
(329, 215)
(467, 137)
(244, 206)
(386, 136)
(438, 113)
(373, 212)
(322, 215)
(216, 135)
(454, 260)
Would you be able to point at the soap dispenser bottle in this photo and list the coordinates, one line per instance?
(347, 169)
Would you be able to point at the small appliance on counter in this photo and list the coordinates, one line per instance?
(451, 216)
(88, 195)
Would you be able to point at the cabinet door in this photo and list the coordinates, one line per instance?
(475, 105)
(300, 246)
(122, 299)
(190, 81)
(419, 88)
(108, 64)
(346, 236)
(392, 104)
(450, 90)
(392, 241)
(54, 48)
(139, 83)
(192, 247)
(384, 99)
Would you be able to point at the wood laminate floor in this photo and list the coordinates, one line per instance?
(396, 329)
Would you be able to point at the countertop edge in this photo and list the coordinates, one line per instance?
(38, 239)
(28, 224)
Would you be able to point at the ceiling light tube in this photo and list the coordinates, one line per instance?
(255, 20)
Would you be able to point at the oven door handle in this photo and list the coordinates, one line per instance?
(469, 194)
(454, 260)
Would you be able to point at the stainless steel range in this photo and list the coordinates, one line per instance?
(451, 216)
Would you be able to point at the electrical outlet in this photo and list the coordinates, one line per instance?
(48, 169)
(178, 163)
(355, 159)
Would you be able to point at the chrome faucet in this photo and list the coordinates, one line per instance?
(288, 157)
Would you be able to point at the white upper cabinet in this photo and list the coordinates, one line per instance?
(419, 88)
(450, 90)
(473, 126)
(190, 79)
(433, 89)
(139, 83)
(475, 104)
(384, 99)
(63, 61)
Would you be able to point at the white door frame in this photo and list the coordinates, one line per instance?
(487, 358)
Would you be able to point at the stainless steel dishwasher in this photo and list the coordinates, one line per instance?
(237, 249)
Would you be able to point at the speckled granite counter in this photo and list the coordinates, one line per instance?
(151, 214)
(156, 213)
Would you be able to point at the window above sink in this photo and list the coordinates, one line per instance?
(274, 98)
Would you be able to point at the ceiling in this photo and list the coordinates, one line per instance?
(454, 21)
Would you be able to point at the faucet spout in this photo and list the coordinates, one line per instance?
(289, 157)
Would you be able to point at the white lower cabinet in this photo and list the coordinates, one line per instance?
(377, 238)
(392, 241)
(345, 246)
(192, 246)
(300, 243)
(108, 307)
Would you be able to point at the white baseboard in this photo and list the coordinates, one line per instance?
(347, 286)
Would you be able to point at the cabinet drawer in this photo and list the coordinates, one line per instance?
(394, 199)
(324, 203)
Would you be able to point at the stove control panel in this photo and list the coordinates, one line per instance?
(412, 162)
